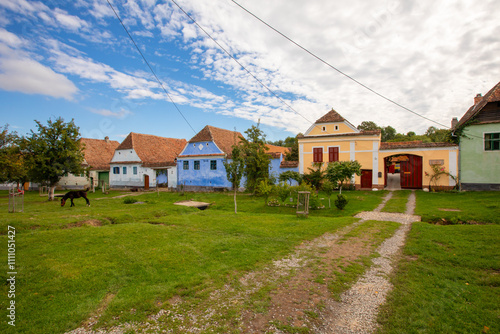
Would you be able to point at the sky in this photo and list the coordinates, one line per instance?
(73, 59)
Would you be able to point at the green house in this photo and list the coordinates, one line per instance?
(479, 134)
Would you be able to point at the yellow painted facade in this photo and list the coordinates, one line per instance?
(373, 155)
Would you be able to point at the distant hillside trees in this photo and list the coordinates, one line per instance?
(389, 134)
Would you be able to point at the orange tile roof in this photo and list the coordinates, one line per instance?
(492, 96)
(289, 164)
(224, 139)
(98, 152)
(154, 151)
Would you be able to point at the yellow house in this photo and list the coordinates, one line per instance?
(395, 165)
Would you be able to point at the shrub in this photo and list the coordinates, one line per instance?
(283, 190)
(341, 202)
(264, 189)
(129, 200)
(315, 202)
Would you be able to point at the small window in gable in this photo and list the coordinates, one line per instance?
(336, 128)
(323, 129)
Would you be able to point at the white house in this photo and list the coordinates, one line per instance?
(145, 160)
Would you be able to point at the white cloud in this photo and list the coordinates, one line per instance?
(30, 77)
(108, 113)
(70, 22)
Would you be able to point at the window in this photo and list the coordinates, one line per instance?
(333, 154)
(492, 141)
(134, 170)
(124, 170)
(116, 170)
(197, 165)
(185, 165)
(336, 128)
(213, 164)
(323, 129)
(318, 154)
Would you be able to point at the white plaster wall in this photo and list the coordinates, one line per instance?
(130, 179)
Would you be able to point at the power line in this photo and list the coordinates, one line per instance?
(150, 68)
(334, 68)
(239, 63)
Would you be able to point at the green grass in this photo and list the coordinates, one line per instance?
(398, 201)
(144, 254)
(447, 282)
(474, 207)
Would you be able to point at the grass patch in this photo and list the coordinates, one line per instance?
(470, 207)
(126, 261)
(447, 282)
(398, 201)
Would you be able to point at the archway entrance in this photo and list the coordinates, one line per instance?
(407, 167)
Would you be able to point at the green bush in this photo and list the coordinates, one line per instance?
(264, 189)
(129, 200)
(341, 202)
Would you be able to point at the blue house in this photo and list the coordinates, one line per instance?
(200, 165)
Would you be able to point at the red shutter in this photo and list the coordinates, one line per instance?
(318, 154)
(333, 154)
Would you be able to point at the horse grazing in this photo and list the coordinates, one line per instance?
(75, 194)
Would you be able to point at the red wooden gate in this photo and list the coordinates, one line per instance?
(411, 172)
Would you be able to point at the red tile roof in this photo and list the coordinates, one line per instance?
(98, 152)
(492, 96)
(224, 139)
(412, 144)
(331, 117)
(154, 151)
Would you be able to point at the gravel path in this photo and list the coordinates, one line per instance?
(357, 311)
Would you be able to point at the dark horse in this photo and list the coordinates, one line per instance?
(75, 194)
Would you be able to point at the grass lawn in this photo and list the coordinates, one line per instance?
(120, 257)
(454, 207)
(398, 201)
(448, 279)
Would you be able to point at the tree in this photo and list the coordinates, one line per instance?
(290, 175)
(388, 133)
(255, 157)
(368, 126)
(328, 188)
(52, 152)
(234, 170)
(315, 176)
(293, 143)
(342, 171)
(438, 135)
(12, 167)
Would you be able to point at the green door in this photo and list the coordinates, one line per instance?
(103, 177)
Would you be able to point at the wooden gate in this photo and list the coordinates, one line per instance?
(411, 172)
(366, 178)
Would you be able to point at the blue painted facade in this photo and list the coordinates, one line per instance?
(200, 166)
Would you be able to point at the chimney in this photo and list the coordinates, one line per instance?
(478, 98)
(454, 122)
(106, 139)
